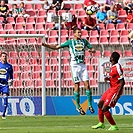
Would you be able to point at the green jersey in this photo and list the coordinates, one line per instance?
(77, 49)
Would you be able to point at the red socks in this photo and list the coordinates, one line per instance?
(109, 118)
(100, 115)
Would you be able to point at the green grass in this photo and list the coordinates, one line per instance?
(61, 124)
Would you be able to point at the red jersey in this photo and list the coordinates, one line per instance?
(90, 22)
(116, 73)
(89, 2)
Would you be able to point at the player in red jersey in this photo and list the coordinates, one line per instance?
(112, 94)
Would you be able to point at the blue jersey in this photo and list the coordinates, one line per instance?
(6, 73)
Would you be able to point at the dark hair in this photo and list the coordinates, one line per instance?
(115, 56)
(3, 53)
(75, 29)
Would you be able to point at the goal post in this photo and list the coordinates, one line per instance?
(43, 61)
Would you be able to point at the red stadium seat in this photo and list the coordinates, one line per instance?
(65, 53)
(53, 61)
(32, 13)
(114, 41)
(70, 34)
(28, 7)
(34, 54)
(128, 53)
(64, 61)
(107, 53)
(18, 84)
(50, 84)
(119, 51)
(52, 11)
(12, 32)
(36, 75)
(67, 6)
(21, 41)
(37, 68)
(40, 20)
(37, 7)
(110, 27)
(47, 75)
(97, 53)
(54, 53)
(13, 54)
(43, 32)
(31, 41)
(2, 41)
(13, 61)
(78, 7)
(19, 27)
(129, 26)
(49, 26)
(93, 40)
(120, 26)
(29, 27)
(29, 83)
(124, 33)
(94, 33)
(25, 76)
(84, 33)
(67, 75)
(104, 33)
(33, 61)
(52, 33)
(2, 31)
(22, 32)
(124, 40)
(48, 69)
(32, 32)
(10, 41)
(52, 40)
(102, 26)
(39, 27)
(103, 40)
(26, 68)
(90, 68)
(73, 12)
(87, 53)
(64, 33)
(22, 61)
(42, 13)
(1, 19)
(114, 33)
(20, 20)
(23, 54)
(30, 20)
(61, 11)
(122, 14)
(10, 20)
(8, 27)
(81, 13)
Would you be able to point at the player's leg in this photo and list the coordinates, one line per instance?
(107, 105)
(100, 116)
(5, 104)
(5, 92)
(76, 79)
(85, 78)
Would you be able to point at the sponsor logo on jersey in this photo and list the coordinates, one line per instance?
(3, 71)
(106, 68)
(79, 47)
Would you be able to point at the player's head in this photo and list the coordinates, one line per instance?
(114, 57)
(77, 33)
(3, 57)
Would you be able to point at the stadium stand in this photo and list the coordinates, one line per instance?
(111, 37)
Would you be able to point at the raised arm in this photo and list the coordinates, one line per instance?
(54, 47)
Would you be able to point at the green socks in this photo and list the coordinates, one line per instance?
(77, 99)
(89, 97)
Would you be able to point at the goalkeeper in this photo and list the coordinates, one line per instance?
(6, 79)
(77, 47)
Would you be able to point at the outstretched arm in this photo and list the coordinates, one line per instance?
(54, 47)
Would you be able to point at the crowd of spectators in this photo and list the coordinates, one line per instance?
(107, 13)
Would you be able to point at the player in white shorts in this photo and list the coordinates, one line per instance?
(77, 48)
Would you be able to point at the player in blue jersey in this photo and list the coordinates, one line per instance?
(6, 79)
(77, 47)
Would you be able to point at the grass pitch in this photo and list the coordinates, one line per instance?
(61, 124)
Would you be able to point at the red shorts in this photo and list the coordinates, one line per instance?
(107, 98)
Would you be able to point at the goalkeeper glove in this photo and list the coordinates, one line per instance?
(10, 82)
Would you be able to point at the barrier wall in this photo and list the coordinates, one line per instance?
(62, 105)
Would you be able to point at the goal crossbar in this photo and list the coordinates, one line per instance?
(43, 61)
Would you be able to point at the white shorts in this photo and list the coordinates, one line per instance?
(79, 72)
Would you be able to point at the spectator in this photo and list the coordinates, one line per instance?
(71, 25)
(128, 5)
(58, 4)
(4, 10)
(80, 23)
(130, 16)
(90, 24)
(112, 16)
(22, 11)
(108, 4)
(47, 6)
(15, 11)
(101, 15)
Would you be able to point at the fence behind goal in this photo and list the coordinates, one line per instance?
(31, 75)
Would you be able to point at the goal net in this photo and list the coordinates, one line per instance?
(25, 55)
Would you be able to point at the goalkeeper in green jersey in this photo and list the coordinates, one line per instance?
(77, 48)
